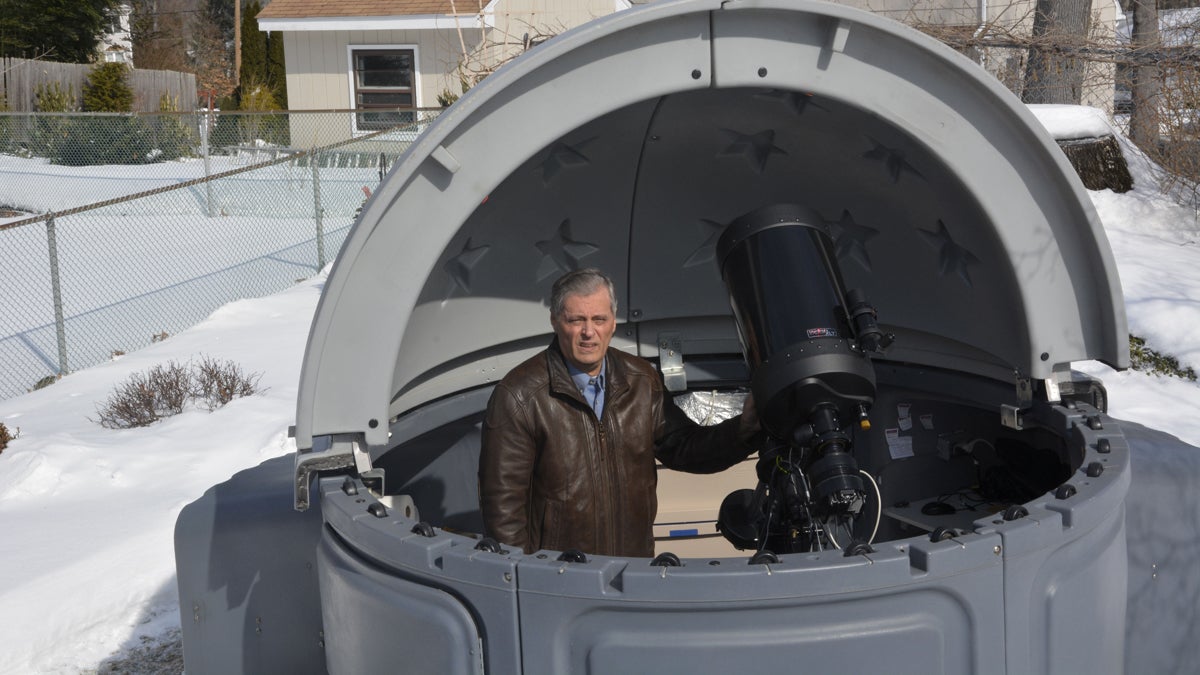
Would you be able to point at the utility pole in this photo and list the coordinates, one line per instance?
(237, 43)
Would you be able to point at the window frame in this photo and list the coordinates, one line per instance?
(352, 78)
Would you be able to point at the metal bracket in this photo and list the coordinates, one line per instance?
(1010, 416)
(1054, 383)
(670, 361)
(1024, 391)
(344, 451)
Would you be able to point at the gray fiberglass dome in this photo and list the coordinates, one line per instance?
(630, 144)
(627, 144)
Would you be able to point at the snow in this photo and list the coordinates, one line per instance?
(86, 561)
(1070, 122)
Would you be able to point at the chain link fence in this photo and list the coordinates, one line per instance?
(120, 230)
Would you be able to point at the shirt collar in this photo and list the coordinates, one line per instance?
(581, 378)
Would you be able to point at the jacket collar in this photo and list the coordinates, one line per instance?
(560, 377)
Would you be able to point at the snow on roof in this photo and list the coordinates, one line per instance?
(298, 9)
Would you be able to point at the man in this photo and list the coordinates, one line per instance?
(572, 434)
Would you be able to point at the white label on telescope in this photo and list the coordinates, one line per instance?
(927, 422)
(905, 422)
(899, 446)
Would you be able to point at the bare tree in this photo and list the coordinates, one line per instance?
(498, 49)
(159, 38)
(1052, 74)
(1145, 83)
(210, 60)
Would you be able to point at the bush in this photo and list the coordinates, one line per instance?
(218, 383)
(5, 436)
(225, 132)
(6, 127)
(107, 89)
(1153, 363)
(105, 140)
(161, 392)
(88, 141)
(44, 382)
(168, 134)
(51, 134)
(147, 397)
(257, 96)
(51, 97)
(85, 141)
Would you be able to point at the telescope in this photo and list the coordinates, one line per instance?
(808, 343)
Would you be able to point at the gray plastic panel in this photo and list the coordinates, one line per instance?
(376, 623)
(1163, 530)
(824, 612)
(395, 561)
(979, 241)
(246, 568)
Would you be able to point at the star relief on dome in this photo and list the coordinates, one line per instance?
(708, 250)
(460, 267)
(850, 240)
(562, 156)
(796, 101)
(893, 159)
(756, 148)
(952, 257)
(562, 253)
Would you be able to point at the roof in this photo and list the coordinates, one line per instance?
(292, 9)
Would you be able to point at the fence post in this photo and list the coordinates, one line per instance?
(318, 211)
(56, 291)
(205, 127)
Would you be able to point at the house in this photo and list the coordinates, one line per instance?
(116, 43)
(399, 56)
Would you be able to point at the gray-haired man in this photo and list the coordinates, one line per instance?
(572, 435)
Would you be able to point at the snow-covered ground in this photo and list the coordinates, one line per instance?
(87, 514)
(187, 251)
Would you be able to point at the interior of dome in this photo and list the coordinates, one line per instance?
(644, 193)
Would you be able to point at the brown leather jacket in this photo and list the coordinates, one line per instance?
(553, 476)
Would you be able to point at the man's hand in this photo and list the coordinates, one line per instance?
(749, 424)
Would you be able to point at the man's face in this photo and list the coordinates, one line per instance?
(585, 328)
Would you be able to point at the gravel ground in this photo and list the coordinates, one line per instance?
(155, 656)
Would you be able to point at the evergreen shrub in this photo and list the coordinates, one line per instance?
(257, 96)
(107, 89)
(169, 134)
(51, 134)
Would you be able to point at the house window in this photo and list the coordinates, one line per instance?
(384, 80)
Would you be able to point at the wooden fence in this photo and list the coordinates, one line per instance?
(19, 80)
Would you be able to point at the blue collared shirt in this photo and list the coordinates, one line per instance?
(592, 388)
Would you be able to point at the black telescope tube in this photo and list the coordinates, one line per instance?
(786, 292)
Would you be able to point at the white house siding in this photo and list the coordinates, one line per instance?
(514, 18)
(318, 73)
